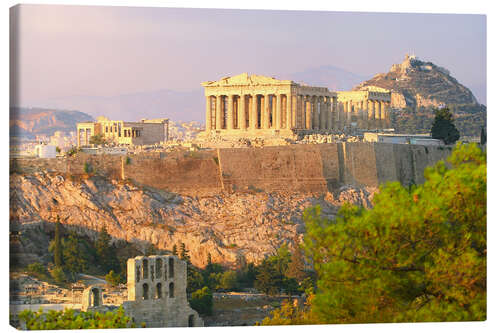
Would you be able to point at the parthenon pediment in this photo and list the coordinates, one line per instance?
(245, 79)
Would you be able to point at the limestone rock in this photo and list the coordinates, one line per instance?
(227, 226)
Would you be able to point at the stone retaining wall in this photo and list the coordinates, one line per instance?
(297, 168)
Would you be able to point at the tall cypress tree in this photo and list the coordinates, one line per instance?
(57, 244)
(443, 127)
(483, 136)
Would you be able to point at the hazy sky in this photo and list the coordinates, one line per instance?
(104, 51)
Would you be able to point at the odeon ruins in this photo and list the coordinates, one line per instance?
(156, 293)
(258, 106)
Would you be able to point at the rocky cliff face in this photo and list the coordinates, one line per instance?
(422, 84)
(227, 226)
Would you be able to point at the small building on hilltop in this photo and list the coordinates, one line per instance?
(145, 132)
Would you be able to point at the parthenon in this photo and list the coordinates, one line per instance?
(255, 105)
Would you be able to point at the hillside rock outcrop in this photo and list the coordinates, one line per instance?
(227, 226)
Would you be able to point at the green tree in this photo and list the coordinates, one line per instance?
(58, 274)
(37, 269)
(75, 260)
(418, 255)
(202, 301)
(268, 278)
(443, 126)
(106, 254)
(296, 268)
(229, 280)
(57, 247)
(113, 278)
(185, 253)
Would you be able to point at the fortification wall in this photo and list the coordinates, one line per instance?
(296, 168)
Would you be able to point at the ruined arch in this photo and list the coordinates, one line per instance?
(158, 290)
(191, 320)
(170, 267)
(171, 290)
(145, 269)
(159, 266)
(95, 297)
(145, 291)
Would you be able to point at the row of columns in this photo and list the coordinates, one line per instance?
(281, 111)
(287, 111)
(369, 114)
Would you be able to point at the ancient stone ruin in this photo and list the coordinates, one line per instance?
(157, 292)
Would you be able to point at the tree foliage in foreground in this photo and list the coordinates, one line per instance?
(202, 301)
(418, 255)
(71, 319)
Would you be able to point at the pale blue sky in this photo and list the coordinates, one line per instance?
(104, 51)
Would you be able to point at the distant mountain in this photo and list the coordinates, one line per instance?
(29, 122)
(177, 105)
(418, 87)
(331, 77)
(422, 84)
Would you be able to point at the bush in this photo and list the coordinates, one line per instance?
(112, 278)
(71, 319)
(229, 280)
(87, 168)
(202, 301)
(37, 269)
(58, 275)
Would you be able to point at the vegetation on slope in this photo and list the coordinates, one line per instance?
(418, 255)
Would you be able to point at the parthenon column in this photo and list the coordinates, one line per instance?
(208, 114)
(329, 113)
(288, 111)
(314, 112)
(322, 116)
(387, 114)
(278, 111)
(377, 114)
(294, 111)
(253, 114)
(370, 114)
(300, 112)
(336, 115)
(242, 124)
(349, 113)
(218, 114)
(382, 113)
(230, 120)
(265, 124)
(308, 112)
(364, 113)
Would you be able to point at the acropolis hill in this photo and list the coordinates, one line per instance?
(225, 201)
(208, 199)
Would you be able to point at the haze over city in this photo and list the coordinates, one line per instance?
(88, 55)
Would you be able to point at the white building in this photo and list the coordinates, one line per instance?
(45, 151)
(413, 139)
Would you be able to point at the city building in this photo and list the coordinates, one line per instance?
(145, 132)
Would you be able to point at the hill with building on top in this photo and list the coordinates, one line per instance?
(418, 87)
